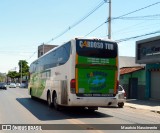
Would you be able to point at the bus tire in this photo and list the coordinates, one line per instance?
(32, 97)
(56, 106)
(120, 105)
(49, 102)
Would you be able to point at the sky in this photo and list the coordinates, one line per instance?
(26, 24)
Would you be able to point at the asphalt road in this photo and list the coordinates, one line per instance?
(16, 107)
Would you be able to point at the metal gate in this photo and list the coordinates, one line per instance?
(133, 86)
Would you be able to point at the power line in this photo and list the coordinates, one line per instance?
(137, 10)
(147, 17)
(32, 55)
(77, 22)
(123, 30)
(122, 16)
(73, 25)
(95, 29)
(129, 38)
(139, 27)
(91, 12)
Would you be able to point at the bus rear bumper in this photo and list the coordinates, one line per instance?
(93, 101)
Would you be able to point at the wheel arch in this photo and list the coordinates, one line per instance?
(30, 90)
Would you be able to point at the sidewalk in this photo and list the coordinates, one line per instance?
(153, 106)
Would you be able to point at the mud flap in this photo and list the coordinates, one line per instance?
(64, 92)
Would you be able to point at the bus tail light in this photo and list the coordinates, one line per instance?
(117, 86)
(73, 86)
(125, 95)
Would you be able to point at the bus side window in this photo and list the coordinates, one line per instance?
(66, 51)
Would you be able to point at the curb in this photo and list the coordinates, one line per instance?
(155, 111)
(131, 107)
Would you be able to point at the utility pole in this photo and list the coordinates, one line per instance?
(109, 21)
(21, 71)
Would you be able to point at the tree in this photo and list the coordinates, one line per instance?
(23, 71)
(2, 77)
(23, 68)
(12, 75)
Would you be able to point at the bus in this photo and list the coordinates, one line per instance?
(80, 73)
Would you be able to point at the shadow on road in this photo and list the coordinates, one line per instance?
(40, 110)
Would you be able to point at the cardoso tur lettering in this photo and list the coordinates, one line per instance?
(98, 45)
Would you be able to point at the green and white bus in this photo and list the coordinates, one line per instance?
(80, 73)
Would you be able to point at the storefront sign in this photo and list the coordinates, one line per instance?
(148, 51)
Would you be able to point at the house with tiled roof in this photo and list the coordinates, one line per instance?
(132, 77)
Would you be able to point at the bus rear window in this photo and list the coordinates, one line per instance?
(96, 48)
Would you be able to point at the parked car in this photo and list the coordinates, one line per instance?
(12, 85)
(3, 86)
(18, 84)
(121, 96)
(23, 85)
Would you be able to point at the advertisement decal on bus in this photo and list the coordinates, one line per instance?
(96, 68)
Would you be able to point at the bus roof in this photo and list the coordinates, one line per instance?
(76, 38)
(95, 38)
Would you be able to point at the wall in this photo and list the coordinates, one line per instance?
(124, 81)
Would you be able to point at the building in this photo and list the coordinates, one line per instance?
(132, 77)
(44, 48)
(148, 52)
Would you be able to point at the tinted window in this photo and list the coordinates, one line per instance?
(96, 48)
(55, 58)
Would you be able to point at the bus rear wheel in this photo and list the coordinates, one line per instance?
(49, 100)
(120, 105)
(32, 97)
(56, 106)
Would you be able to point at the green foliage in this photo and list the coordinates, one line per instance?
(23, 67)
(2, 77)
(12, 74)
